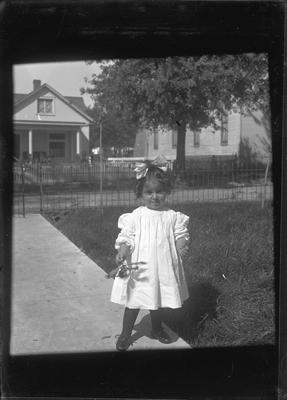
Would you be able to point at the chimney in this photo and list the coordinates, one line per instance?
(36, 84)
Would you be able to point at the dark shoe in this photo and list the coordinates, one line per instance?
(161, 336)
(123, 343)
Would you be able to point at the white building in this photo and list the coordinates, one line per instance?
(223, 142)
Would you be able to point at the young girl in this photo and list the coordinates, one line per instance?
(156, 237)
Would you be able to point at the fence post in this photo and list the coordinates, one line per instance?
(101, 169)
(23, 188)
(41, 189)
(89, 173)
(265, 184)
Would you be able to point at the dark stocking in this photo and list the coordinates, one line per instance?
(155, 320)
(130, 316)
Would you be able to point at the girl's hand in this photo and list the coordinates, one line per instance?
(182, 247)
(122, 254)
(183, 252)
(119, 259)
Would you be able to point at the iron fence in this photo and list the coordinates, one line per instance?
(40, 187)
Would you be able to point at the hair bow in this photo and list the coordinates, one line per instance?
(141, 169)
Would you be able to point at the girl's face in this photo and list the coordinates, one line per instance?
(153, 195)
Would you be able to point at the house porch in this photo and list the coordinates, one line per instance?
(55, 143)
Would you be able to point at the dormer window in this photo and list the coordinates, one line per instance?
(45, 106)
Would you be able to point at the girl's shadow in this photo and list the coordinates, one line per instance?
(185, 322)
(143, 328)
(199, 307)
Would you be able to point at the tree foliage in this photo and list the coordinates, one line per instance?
(181, 92)
(118, 131)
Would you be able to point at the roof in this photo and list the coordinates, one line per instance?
(78, 102)
(75, 102)
(19, 97)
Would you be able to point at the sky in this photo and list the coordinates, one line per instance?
(65, 77)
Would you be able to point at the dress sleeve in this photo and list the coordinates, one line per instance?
(181, 226)
(127, 233)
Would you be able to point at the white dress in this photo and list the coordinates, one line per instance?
(160, 282)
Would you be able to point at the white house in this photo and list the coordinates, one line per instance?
(251, 129)
(50, 125)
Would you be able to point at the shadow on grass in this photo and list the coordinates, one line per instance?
(200, 306)
(185, 322)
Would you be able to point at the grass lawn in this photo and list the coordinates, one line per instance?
(229, 268)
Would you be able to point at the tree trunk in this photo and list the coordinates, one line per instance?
(180, 154)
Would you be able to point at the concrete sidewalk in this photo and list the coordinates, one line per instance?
(60, 297)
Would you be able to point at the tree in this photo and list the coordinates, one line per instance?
(118, 132)
(181, 92)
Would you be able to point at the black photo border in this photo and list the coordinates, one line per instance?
(34, 31)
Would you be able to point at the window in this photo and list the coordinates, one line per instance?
(196, 139)
(57, 145)
(57, 149)
(224, 130)
(57, 136)
(45, 106)
(174, 139)
(155, 140)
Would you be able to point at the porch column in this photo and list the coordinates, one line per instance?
(78, 143)
(30, 143)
